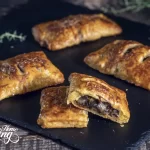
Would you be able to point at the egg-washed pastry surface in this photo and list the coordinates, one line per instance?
(55, 113)
(96, 96)
(27, 72)
(127, 60)
(74, 29)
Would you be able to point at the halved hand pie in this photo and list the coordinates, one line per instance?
(72, 30)
(27, 72)
(127, 60)
(55, 113)
(96, 96)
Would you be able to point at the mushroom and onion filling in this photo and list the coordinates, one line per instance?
(97, 105)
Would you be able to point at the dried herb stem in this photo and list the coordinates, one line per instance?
(128, 5)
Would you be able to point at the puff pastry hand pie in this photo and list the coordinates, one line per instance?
(96, 96)
(127, 60)
(55, 113)
(72, 30)
(27, 72)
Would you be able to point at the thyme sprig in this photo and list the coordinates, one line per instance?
(128, 5)
(12, 36)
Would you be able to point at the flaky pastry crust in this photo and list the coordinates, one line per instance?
(55, 113)
(85, 85)
(74, 29)
(127, 60)
(27, 72)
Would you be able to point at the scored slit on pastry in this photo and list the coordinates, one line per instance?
(73, 30)
(55, 113)
(125, 59)
(96, 96)
(146, 58)
(27, 72)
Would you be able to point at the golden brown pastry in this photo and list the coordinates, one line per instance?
(27, 72)
(96, 96)
(72, 30)
(55, 113)
(127, 60)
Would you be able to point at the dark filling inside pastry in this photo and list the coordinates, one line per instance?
(97, 106)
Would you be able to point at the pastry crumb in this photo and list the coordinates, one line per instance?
(12, 46)
(113, 130)
(81, 132)
(126, 89)
(122, 125)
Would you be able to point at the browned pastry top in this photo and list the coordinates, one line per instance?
(18, 65)
(76, 21)
(128, 60)
(54, 98)
(27, 72)
(74, 29)
(55, 113)
(98, 87)
(84, 86)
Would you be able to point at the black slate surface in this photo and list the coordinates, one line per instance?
(23, 110)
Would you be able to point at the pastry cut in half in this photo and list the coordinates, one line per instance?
(98, 97)
(27, 72)
(125, 59)
(73, 30)
(55, 113)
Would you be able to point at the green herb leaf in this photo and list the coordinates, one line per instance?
(12, 36)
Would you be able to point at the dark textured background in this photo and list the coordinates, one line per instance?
(7, 5)
(142, 16)
(30, 141)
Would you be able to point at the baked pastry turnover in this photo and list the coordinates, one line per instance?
(96, 96)
(27, 72)
(127, 60)
(55, 113)
(72, 30)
